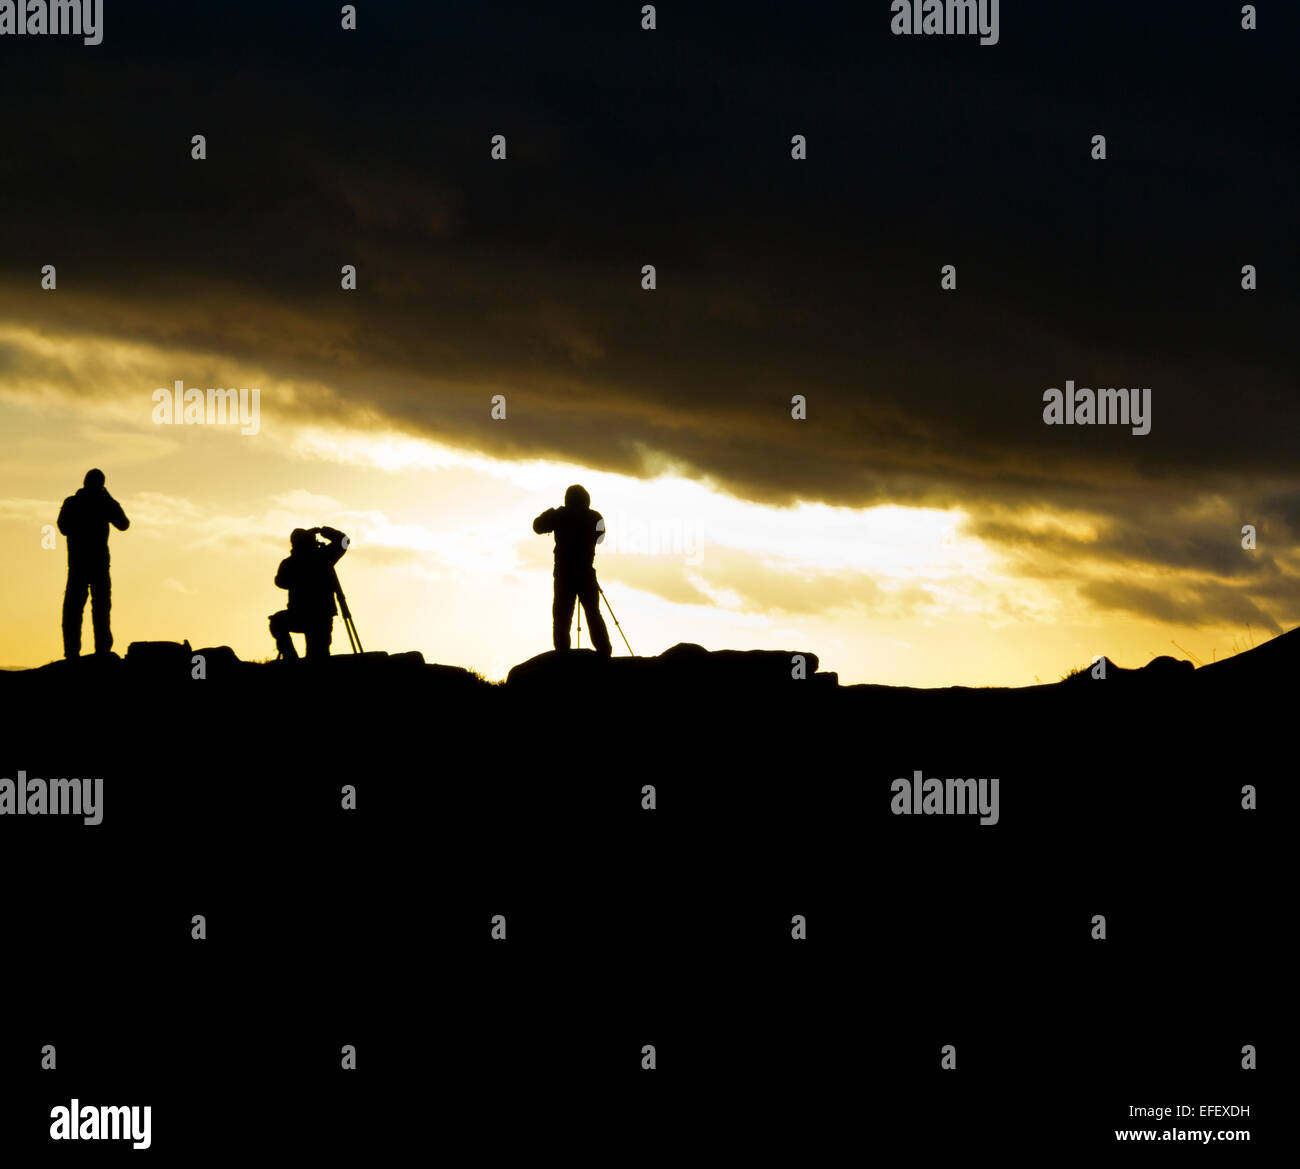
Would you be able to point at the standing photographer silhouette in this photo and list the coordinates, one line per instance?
(577, 530)
(83, 520)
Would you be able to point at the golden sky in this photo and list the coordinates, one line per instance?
(443, 559)
(921, 527)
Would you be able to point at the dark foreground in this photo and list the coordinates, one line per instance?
(223, 797)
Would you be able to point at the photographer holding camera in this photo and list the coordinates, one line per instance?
(308, 573)
(84, 520)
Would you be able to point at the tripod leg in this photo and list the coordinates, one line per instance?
(346, 614)
(616, 624)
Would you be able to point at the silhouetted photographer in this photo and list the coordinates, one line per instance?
(308, 573)
(577, 530)
(84, 519)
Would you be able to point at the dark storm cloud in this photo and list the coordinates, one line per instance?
(1208, 605)
(672, 148)
(1155, 537)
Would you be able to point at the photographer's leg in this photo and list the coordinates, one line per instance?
(589, 595)
(101, 605)
(562, 612)
(280, 631)
(74, 605)
(319, 637)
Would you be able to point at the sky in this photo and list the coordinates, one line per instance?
(921, 526)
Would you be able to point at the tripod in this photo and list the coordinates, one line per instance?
(616, 624)
(353, 640)
(608, 606)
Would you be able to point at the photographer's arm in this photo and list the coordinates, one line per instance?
(337, 544)
(116, 516)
